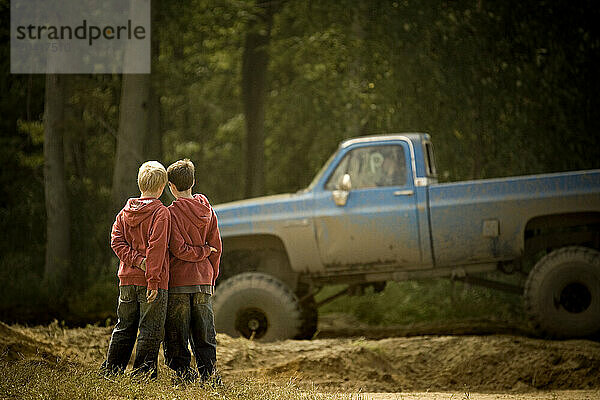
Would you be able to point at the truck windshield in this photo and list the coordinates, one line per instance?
(317, 177)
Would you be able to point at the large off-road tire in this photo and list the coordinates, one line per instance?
(562, 293)
(258, 306)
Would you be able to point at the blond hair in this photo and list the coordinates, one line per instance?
(152, 177)
(181, 174)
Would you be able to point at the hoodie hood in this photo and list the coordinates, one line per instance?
(197, 210)
(137, 210)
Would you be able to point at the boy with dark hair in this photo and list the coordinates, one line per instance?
(140, 238)
(195, 246)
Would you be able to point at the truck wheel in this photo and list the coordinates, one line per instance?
(310, 318)
(562, 293)
(258, 306)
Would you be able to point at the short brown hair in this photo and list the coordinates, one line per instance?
(152, 177)
(181, 174)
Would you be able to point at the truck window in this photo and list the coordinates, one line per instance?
(430, 160)
(371, 166)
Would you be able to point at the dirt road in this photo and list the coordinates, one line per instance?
(555, 395)
(443, 367)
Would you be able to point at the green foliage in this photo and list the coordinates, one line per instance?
(21, 176)
(438, 300)
(23, 293)
(96, 303)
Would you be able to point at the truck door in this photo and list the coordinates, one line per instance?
(378, 224)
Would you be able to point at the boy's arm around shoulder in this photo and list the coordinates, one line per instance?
(183, 251)
(158, 243)
(121, 247)
(213, 238)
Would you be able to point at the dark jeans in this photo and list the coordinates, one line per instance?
(135, 313)
(190, 318)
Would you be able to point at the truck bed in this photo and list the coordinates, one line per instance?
(484, 220)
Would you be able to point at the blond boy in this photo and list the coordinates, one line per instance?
(140, 238)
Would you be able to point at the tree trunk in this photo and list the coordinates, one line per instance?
(255, 61)
(58, 241)
(153, 145)
(131, 137)
(139, 134)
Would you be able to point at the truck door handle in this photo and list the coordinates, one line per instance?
(404, 192)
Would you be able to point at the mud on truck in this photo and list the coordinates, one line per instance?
(375, 213)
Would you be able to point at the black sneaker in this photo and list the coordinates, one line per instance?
(143, 375)
(109, 371)
(185, 376)
(213, 380)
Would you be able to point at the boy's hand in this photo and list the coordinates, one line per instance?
(151, 295)
(142, 266)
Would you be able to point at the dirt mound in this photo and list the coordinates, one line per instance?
(446, 363)
(86, 345)
(343, 325)
(16, 345)
(494, 363)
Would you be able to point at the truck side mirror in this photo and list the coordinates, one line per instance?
(340, 196)
(345, 183)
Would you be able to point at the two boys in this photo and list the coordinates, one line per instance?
(142, 234)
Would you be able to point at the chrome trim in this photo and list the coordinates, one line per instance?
(404, 192)
(420, 182)
(376, 138)
(296, 223)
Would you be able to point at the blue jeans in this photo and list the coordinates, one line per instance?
(135, 313)
(190, 319)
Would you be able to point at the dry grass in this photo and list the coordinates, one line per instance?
(43, 379)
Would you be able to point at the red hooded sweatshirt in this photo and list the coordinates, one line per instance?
(194, 230)
(141, 230)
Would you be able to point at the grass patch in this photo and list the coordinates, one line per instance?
(438, 300)
(35, 379)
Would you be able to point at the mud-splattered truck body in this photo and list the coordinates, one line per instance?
(375, 212)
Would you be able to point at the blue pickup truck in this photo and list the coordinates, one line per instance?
(376, 213)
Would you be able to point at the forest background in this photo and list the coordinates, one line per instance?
(259, 94)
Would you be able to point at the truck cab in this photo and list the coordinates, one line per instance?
(370, 204)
